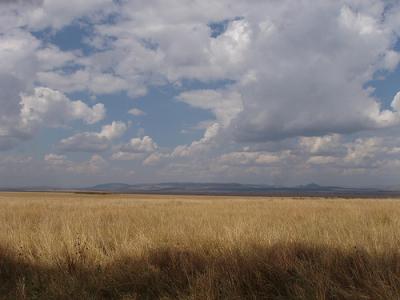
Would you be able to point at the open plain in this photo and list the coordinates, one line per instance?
(95, 246)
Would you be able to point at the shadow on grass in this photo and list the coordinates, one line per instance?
(283, 271)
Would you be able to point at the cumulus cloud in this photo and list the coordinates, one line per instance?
(246, 158)
(396, 102)
(286, 83)
(144, 144)
(50, 57)
(53, 108)
(302, 75)
(309, 71)
(113, 131)
(362, 151)
(122, 155)
(147, 46)
(199, 146)
(137, 148)
(41, 14)
(321, 160)
(82, 80)
(84, 142)
(358, 153)
(17, 52)
(224, 104)
(93, 141)
(27, 106)
(94, 165)
(136, 112)
(153, 159)
(321, 144)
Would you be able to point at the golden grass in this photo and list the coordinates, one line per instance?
(76, 246)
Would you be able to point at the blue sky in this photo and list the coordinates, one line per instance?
(267, 92)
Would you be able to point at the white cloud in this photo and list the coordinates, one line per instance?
(82, 80)
(359, 153)
(247, 158)
(50, 107)
(136, 112)
(224, 104)
(320, 160)
(396, 102)
(136, 149)
(363, 151)
(287, 84)
(229, 49)
(149, 46)
(93, 141)
(24, 108)
(153, 159)
(391, 60)
(120, 155)
(84, 142)
(321, 145)
(51, 57)
(17, 70)
(281, 71)
(140, 145)
(200, 146)
(309, 71)
(39, 14)
(94, 165)
(113, 131)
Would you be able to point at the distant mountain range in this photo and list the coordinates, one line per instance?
(192, 188)
(311, 189)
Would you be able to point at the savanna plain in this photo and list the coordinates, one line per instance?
(92, 246)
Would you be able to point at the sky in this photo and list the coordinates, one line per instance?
(275, 92)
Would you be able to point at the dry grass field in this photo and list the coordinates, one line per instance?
(76, 246)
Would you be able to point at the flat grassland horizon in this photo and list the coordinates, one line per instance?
(88, 246)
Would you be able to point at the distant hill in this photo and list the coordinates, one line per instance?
(193, 188)
(111, 187)
(311, 189)
(174, 187)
